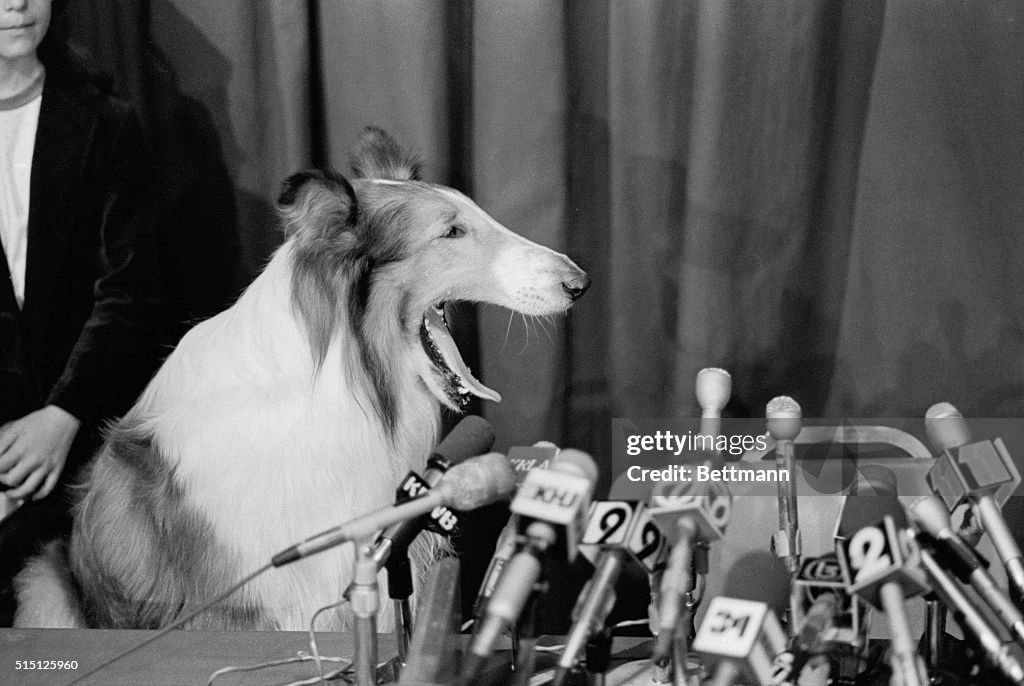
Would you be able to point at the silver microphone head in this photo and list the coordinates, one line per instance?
(946, 427)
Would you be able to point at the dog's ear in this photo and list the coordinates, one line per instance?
(378, 156)
(317, 201)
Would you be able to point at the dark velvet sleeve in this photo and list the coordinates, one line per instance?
(118, 349)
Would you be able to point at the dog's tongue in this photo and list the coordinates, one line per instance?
(438, 330)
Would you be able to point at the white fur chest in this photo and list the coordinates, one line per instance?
(270, 452)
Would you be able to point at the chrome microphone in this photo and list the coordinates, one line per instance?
(713, 387)
(783, 414)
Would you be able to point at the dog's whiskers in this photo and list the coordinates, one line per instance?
(526, 326)
(508, 329)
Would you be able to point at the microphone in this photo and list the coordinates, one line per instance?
(817, 602)
(930, 516)
(688, 514)
(741, 630)
(470, 437)
(827, 620)
(467, 486)
(978, 472)
(871, 496)
(524, 460)
(713, 388)
(783, 414)
(550, 510)
(880, 564)
(985, 638)
(624, 530)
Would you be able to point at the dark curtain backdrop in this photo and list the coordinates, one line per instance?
(822, 197)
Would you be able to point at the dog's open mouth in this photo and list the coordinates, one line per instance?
(457, 380)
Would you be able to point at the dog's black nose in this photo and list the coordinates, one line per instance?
(576, 286)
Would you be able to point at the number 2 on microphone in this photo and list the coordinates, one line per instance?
(868, 552)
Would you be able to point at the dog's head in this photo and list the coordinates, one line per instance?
(387, 251)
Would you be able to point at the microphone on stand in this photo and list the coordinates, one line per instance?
(713, 388)
(623, 530)
(550, 509)
(364, 599)
(525, 459)
(470, 437)
(689, 514)
(467, 486)
(980, 473)
(879, 562)
(827, 620)
(783, 414)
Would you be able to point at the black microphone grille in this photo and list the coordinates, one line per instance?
(472, 436)
(759, 576)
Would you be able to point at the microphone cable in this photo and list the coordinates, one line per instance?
(171, 627)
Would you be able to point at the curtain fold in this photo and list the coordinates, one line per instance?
(820, 197)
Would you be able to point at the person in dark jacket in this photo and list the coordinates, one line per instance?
(80, 304)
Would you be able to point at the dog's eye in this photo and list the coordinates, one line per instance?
(454, 232)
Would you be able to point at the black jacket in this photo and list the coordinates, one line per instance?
(86, 338)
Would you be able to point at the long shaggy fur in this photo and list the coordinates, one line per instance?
(300, 407)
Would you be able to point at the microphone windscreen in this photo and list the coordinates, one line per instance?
(874, 479)
(782, 407)
(759, 576)
(713, 388)
(576, 461)
(478, 481)
(946, 427)
(471, 437)
(930, 515)
(862, 510)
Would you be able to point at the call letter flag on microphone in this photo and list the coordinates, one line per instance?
(744, 635)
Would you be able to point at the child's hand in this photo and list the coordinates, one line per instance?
(33, 451)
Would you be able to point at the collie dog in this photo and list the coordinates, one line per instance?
(300, 407)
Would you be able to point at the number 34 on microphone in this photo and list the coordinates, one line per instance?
(742, 631)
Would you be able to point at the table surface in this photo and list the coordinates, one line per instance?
(178, 658)
(186, 658)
